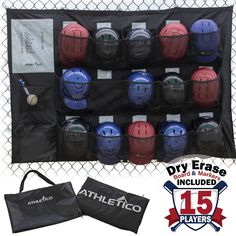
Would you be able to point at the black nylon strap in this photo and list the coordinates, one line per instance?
(39, 175)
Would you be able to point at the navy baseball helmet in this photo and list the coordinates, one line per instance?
(206, 38)
(74, 88)
(108, 143)
(140, 88)
(174, 137)
(75, 139)
(173, 88)
(106, 43)
(139, 43)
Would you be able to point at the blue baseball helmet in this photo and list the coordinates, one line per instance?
(206, 37)
(174, 137)
(74, 88)
(139, 42)
(173, 88)
(106, 43)
(108, 143)
(140, 88)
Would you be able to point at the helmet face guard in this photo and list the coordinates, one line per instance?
(140, 89)
(206, 38)
(73, 44)
(174, 138)
(174, 40)
(139, 43)
(106, 43)
(141, 142)
(205, 87)
(173, 88)
(74, 88)
(108, 143)
(208, 134)
(75, 138)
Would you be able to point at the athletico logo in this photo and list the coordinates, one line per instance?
(195, 207)
(119, 202)
(41, 200)
(123, 199)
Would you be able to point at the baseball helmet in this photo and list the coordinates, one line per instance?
(140, 88)
(174, 138)
(173, 88)
(141, 136)
(205, 87)
(139, 43)
(73, 43)
(206, 38)
(208, 134)
(174, 40)
(108, 143)
(74, 88)
(106, 43)
(75, 138)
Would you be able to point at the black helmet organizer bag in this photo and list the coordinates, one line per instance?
(112, 205)
(72, 70)
(42, 207)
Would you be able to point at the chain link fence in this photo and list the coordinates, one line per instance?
(92, 168)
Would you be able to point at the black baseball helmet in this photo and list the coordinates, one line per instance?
(106, 44)
(75, 139)
(173, 88)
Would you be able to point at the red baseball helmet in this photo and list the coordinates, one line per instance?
(141, 142)
(174, 40)
(73, 42)
(205, 87)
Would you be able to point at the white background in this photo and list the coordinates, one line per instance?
(153, 222)
(151, 187)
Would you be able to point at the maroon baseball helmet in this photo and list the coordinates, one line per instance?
(174, 40)
(205, 87)
(141, 142)
(73, 43)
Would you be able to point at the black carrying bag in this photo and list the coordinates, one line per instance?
(43, 206)
(111, 205)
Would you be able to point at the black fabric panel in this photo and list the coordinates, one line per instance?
(226, 115)
(109, 97)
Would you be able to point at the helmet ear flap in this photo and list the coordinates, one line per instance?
(73, 42)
